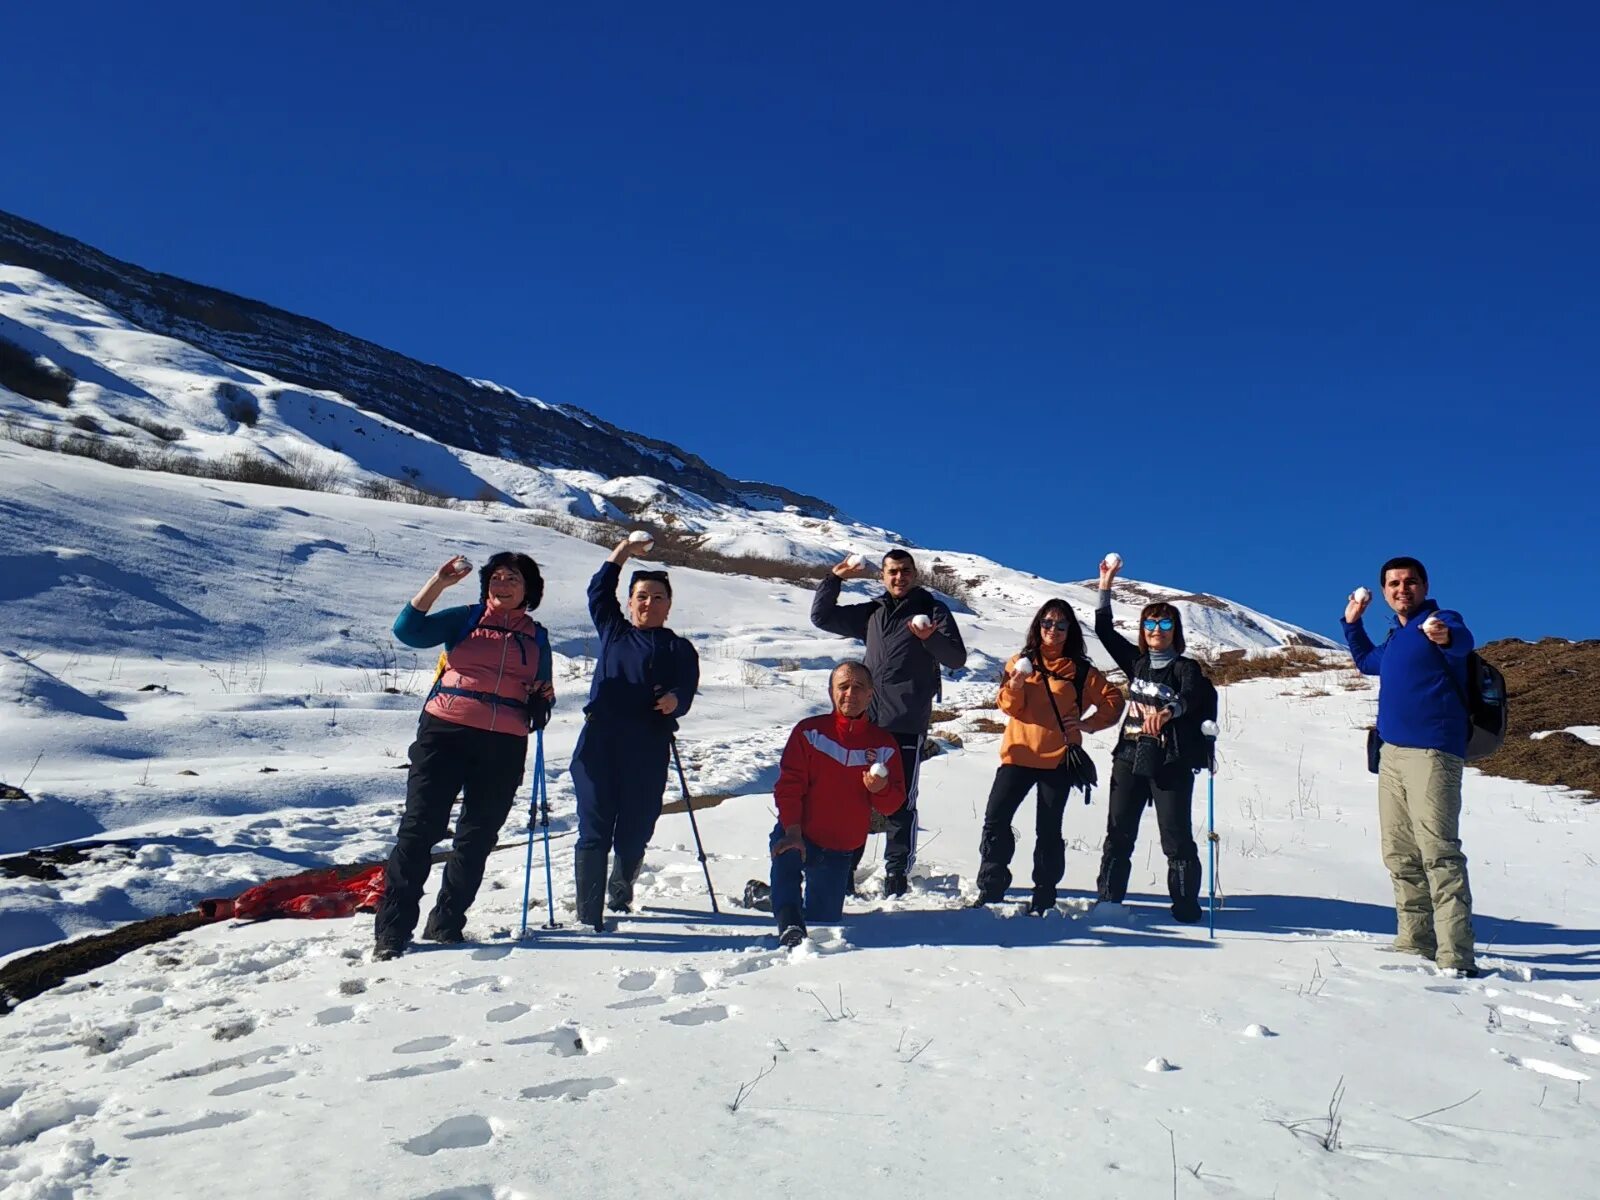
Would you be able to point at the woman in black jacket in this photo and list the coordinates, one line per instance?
(1160, 750)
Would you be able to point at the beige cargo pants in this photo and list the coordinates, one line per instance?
(1419, 814)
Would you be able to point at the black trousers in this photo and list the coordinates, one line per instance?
(901, 851)
(1010, 789)
(1171, 791)
(448, 760)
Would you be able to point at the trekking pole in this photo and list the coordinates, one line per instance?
(1209, 729)
(544, 821)
(688, 803)
(533, 807)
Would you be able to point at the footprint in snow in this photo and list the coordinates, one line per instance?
(145, 1004)
(638, 1002)
(507, 1012)
(424, 1045)
(252, 1083)
(690, 983)
(490, 953)
(565, 1041)
(430, 1068)
(637, 981)
(207, 1121)
(337, 1015)
(568, 1089)
(700, 1016)
(1584, 1044)
(458, 1133)
(487, 983)
(1544, 1068)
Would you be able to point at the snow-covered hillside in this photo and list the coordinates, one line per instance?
(130, 381)
(199, 673)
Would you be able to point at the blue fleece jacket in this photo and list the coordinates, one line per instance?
(635, 666)
(1421, 685)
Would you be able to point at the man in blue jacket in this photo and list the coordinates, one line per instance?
(910, 635)
(1423, 722)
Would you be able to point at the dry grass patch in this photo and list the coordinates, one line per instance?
(1236, 666)
(1551, 684)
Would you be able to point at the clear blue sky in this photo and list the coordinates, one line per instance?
(1257, 294)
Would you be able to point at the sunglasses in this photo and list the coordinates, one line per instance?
(1064, 626)
(1164, 624)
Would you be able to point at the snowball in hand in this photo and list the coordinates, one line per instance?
(1361, 595)
(1208, 728)
(1433, 623)
(855, 561)
(1112, 560)
(921, 621)
(1022, 666)
(463, 564)
(878, 771)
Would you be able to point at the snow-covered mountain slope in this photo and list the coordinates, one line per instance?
(173, 401)
(920, 1047)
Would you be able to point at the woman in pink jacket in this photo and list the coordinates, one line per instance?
(493, 687)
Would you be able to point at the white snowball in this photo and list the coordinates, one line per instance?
(1113, 560)
(1158, 1064)
(640, 538)
(1258, 1031)
(878, 771)
(1209, 728)
(921, 621)
(1362, 594)
(1023, 666)
(856, 560)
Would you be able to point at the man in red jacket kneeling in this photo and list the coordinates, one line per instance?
(834, 771)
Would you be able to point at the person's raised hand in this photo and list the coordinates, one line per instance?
(1356, 605)
(1109, 566)
(453, 571)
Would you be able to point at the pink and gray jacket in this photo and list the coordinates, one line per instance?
(493, 664)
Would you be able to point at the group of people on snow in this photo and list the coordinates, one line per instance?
(860, 763)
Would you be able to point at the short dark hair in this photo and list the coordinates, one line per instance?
(899, 555)
(660, 577)
(532, 581)
(1404, 563)
(855, 664)
(1155, 612)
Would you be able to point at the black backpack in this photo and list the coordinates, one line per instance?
(1487, 710)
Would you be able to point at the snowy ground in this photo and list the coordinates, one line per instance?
(920, 1048)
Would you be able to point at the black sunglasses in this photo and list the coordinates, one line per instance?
(1064, 626)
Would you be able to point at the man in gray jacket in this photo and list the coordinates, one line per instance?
(910, 635)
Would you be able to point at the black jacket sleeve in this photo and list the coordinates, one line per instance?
(845, 620)
(1123, 652)
(945, 644)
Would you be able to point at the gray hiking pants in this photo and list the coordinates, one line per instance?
(1419, 814)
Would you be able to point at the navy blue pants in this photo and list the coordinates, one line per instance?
(825, 875)
(619, 773)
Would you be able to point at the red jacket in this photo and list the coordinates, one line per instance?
(819, 780)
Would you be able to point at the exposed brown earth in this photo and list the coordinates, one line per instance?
(1552, 684)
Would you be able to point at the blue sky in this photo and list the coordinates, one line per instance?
(1255, 294)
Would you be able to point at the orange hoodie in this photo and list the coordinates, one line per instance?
(1033, 738)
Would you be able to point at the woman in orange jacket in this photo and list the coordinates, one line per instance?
(1052, 700)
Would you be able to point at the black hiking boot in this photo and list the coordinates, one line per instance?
(894, 886)
(387, 949)
(443, 930)
(758, 895)
(1113, 882)
(1183, 885)
(1044, 899)
(791, 928)
(589, 884)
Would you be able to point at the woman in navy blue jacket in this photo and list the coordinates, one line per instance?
(645, 678)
